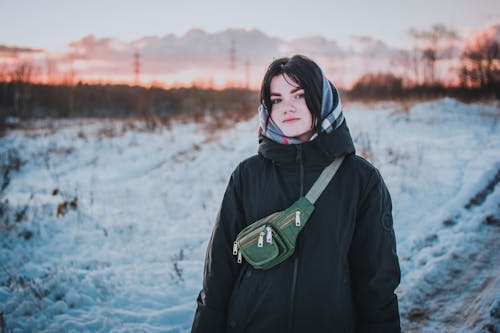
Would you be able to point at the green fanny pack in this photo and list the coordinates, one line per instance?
(271, 240)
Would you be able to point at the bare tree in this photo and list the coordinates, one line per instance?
(4, 75)
(22, 76)
(22, 72)
(51, 70)
(415, 64)
(430, 50)
(481, 61)
(403, 61)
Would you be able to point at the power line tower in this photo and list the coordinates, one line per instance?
(247, 74)
(232, 60)
(137, 67)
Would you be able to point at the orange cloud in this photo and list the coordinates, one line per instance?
(15, 52)
(17, 49)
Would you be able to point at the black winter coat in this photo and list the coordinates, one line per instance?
(344, 271)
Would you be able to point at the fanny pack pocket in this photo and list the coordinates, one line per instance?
(271, 240)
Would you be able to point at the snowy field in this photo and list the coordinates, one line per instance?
(104, 225)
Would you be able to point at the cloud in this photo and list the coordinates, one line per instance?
(18, 49)
(313, 47)
(370, 47)
(202, 50)
(170, 53)
(197, 49)
(92, 48)
(14, 52)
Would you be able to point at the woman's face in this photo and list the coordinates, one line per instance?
(289, 110)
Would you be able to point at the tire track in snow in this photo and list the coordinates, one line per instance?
(461, 293)
(480, 197)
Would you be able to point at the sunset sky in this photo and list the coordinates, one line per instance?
(191, 40)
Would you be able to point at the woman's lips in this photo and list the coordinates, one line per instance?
(291, 120)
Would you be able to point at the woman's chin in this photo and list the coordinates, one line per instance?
(301, 135)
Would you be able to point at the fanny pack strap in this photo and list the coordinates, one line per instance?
(323, 180)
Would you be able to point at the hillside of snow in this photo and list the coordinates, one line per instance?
(104, 225)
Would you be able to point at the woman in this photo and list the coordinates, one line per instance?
(343, 273)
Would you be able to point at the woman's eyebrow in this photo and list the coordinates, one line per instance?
(294, 90)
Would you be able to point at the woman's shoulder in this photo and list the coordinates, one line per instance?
(247, 171)
(362, 169)
(360, 163)
(250, 165)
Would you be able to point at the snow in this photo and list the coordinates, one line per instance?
(126, 254)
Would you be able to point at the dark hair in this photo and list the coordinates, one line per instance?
(306, 74)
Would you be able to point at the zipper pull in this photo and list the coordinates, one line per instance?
(269, 235)
(239, 257)
(261, 239)
(235, 248)
(297, 218)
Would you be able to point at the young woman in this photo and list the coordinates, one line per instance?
(344, 270)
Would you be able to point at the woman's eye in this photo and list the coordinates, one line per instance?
(275, 101)
(300, 95)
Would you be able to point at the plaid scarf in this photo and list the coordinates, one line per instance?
(331, 116)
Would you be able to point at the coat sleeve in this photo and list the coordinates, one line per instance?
(221, 268)
(373, 261)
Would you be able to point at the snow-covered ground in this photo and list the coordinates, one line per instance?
(104, 226)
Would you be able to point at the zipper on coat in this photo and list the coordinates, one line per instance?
(292, 294)
(301, 168)
(296, 255)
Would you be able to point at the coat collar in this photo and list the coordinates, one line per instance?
(320, 151)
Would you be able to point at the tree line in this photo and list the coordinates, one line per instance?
(25, 100)
(472, 71)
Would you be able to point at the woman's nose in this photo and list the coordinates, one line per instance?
(288, 107)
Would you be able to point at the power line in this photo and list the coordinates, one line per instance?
(137, 67)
